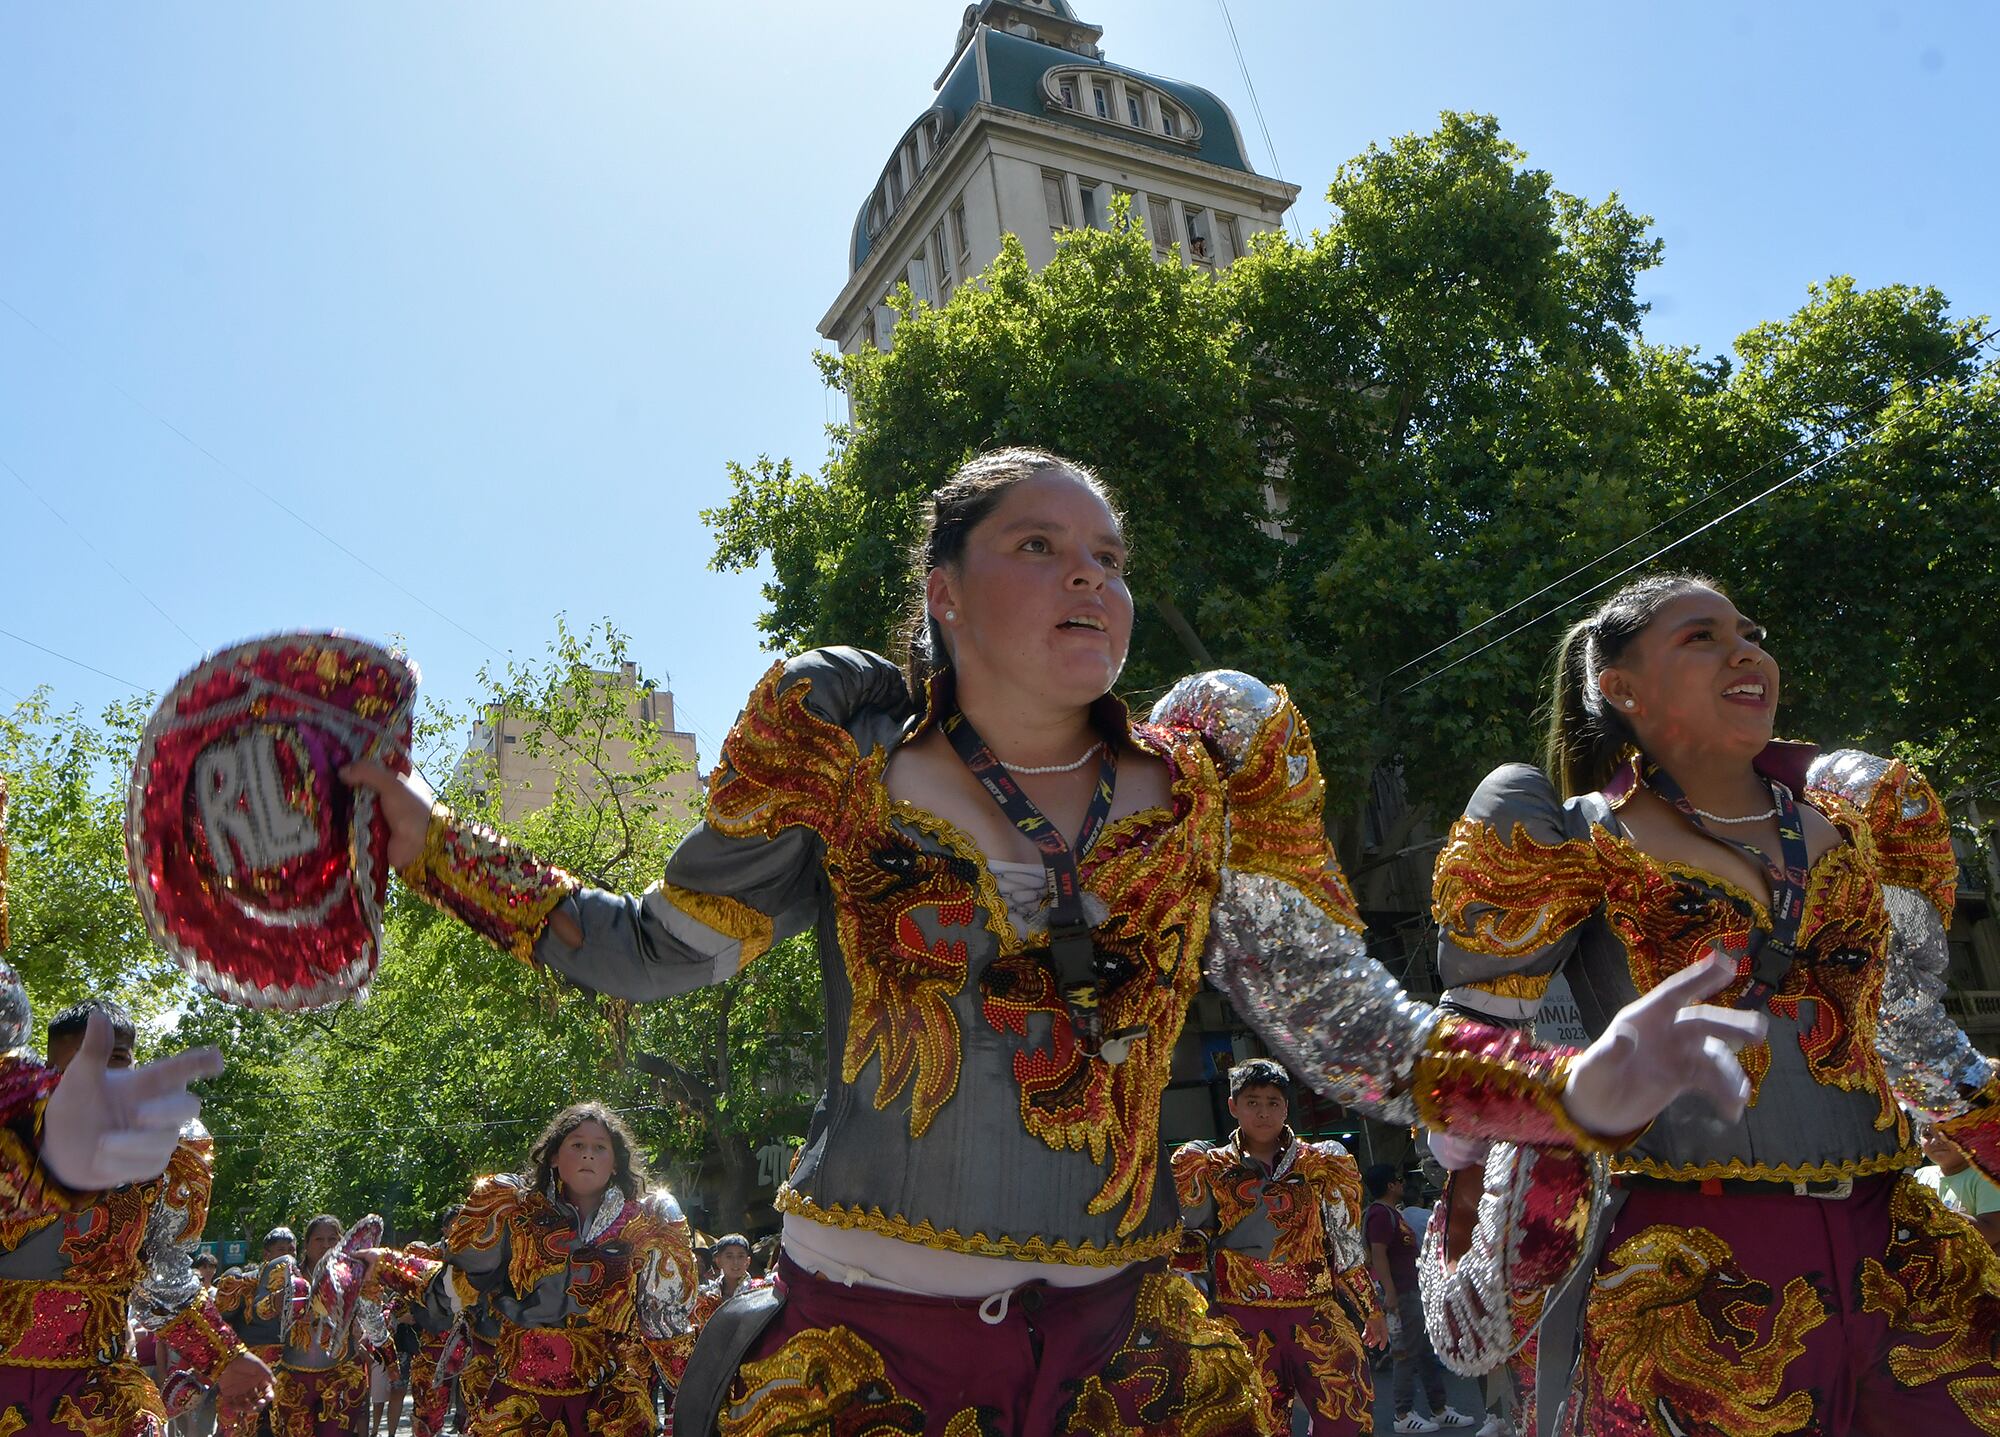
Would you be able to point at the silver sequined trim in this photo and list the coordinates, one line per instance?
(1309, 987)
(1931, 1062)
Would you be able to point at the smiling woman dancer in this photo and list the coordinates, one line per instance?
(1779, 1273)
(589, 1271)
(976, 1231)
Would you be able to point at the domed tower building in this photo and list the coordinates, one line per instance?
(1032, 132)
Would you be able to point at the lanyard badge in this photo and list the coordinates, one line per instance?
(1081, 970)
(1773, 953)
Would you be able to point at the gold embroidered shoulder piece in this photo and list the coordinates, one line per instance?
(1277, 824)
(1514, 896)
(1912, 835)
(783, 766)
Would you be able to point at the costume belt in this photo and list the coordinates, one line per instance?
(1829, 1189)
(61, 1324)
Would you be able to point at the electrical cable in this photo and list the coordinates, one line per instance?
(1669, 547)
(1257, 109)
(250, 483)
(1973, 347)
(84, 540)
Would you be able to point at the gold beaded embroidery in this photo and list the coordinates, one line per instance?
(1672, 1340)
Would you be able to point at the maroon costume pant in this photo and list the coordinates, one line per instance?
(116, 1399)
(1747, 1315)
(1312, 1354)
(1134, 1354)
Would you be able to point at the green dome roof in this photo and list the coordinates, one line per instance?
(1013, 73)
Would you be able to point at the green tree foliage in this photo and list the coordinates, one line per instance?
(75, 931)
(458, 1055)
(1445, 402)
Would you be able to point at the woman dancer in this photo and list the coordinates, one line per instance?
(590, 1273)
(1015, 889)
(1780, 1272)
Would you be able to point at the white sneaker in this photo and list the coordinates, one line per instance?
(1414, 1422)
(1496, 1426)
(1451, 1417)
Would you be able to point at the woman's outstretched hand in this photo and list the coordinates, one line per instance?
(1663, 1045)
(406, 803)
(105, 1127)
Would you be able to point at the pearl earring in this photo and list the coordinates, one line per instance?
(1631, 703)
(950, 616)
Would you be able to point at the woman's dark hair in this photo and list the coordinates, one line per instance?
(1587, 738)
(952, 512)
(339, 1228)
(629, 1171)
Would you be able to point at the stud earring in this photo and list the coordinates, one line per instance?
(1631, 703)
(951, 616)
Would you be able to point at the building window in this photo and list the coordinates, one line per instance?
(1067, 88)
(1228, 243)
(958, 239)
(946, 274)
(868, 327)
(1199, 246)
(1135, 109)
(895, 185)
(1160, 222)
(1056, 199)
(920, 279)
(1170, 122)
(1093, 206)
(1102, 98)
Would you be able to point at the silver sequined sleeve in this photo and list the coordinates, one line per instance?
(664, 1300)
(1930, 1061)
(1303, 981)
(169, 1284)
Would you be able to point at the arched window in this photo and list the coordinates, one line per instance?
(1122, 100)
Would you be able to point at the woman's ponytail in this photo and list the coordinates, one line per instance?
(1587, 738)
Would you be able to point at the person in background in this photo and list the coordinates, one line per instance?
(588, 1268)
(75, 1275)
(1007, 1008)
(322, 1377)
(1392, 1257)
(1961, 1184)
(1276, 1227)
(198, 1420)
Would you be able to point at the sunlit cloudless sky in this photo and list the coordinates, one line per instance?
(490, 293)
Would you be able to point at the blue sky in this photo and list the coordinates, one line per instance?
(489, 293)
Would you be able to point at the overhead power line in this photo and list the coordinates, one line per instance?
(1971, 348)
(247, 482)
(1666, 548)
(1257, 109)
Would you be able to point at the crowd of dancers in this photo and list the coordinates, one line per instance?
(1704, 1222)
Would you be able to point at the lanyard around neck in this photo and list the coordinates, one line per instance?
(1071, 949)
(1772, 953)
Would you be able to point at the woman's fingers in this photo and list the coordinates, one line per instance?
(1693, 983)
(1719, 1077)
(171, 1112)
(133, 1155)
(167, 1077)
(1737, 1027)
(369, 773)
(95, 1050)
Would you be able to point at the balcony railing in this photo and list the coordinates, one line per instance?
(1976, 1010)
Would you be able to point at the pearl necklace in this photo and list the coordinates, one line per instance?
(1772, 812)
(1056, 767)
